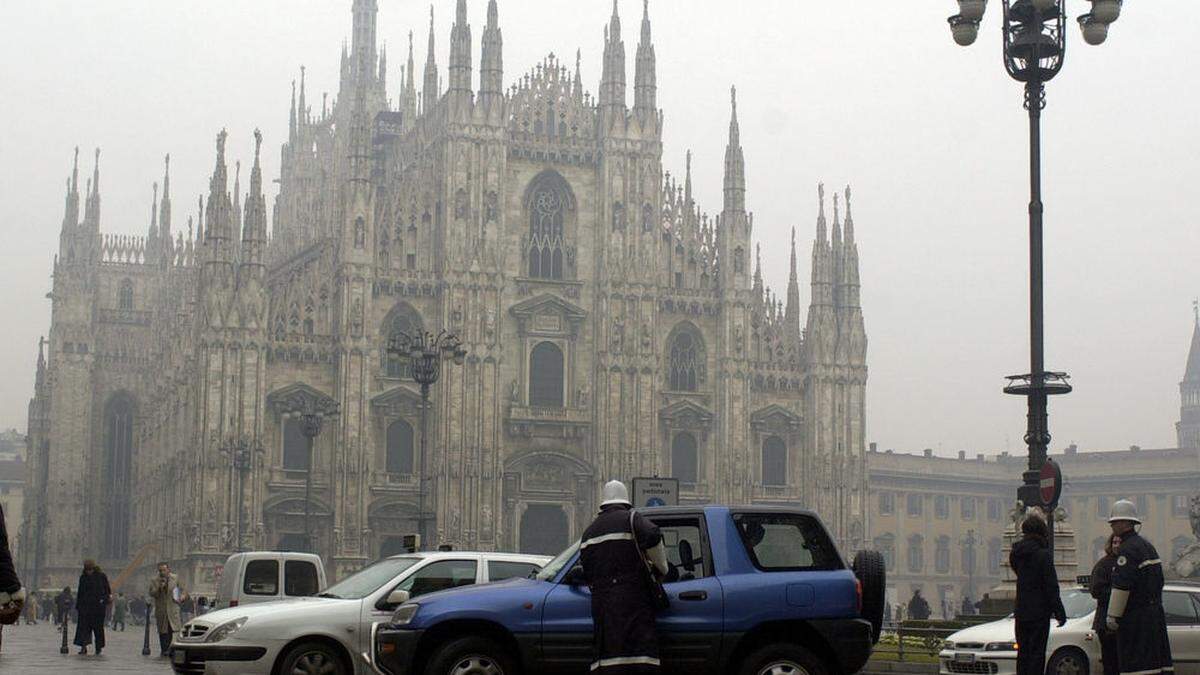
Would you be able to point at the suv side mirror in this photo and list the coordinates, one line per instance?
(393, 600)
(575, 576)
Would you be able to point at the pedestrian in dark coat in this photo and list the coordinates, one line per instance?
(91, 601)
(1038, 599)
(1135, 608)
(12, 596)
(1101, 587)
(918, 607)
(613, 553)
(63, 603)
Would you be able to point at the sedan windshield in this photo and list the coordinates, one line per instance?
(1078, 604)
(555, 566)
(365, 582)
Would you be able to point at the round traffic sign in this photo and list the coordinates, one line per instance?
(655, 501)
(1050, 483)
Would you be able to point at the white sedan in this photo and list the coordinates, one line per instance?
(330, 633)
(991, 648)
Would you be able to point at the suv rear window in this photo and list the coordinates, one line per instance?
(300, 578)
(779, 542)
(262, 578)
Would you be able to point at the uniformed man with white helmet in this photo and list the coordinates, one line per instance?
(614, 554)
(1135, 608)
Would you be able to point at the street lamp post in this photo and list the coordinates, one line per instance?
(424, 353)
(969, 542)
(312, 413)
(1034, 34)
(241, 452)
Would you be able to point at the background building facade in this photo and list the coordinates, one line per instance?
(614, 330)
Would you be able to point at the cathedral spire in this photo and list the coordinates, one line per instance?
(612, 79)
(577, 88)
(71, 209)
(460, 52)
(792, 316)
(1191, 373)
(645, 81)
(236, 213)
(219, 221)
(304, 120)
(152, 233)
(735, 162)
(164, 209)
(254, 234)
(758, 280)
(408, 99)
(687, 182)
(1188, 428)
(292, 115)
(429, 94)
(364, 40)
(91, 214)
(491, 66)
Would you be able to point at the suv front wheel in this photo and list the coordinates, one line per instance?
(782, 659)
(472, 656)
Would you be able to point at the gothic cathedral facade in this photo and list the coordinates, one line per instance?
(613, 330)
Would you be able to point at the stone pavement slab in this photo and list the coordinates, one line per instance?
(28, 650)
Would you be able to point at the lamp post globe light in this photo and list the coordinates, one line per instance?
(424, 353)
(311, 413)
(1034, 35)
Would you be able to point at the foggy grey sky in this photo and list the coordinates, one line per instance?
(873, 93)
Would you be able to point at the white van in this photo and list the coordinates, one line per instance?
(266, 576)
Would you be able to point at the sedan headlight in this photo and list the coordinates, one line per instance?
(1000, 647)
(225, 630)
(405, 614)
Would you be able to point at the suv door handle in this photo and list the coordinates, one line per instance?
(693, 595)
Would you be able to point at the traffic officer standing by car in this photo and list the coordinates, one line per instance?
(614, 552)
(1135, 608)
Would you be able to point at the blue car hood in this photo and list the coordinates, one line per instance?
(500, 601)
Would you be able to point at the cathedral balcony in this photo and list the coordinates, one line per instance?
(129, 317)
(386, 482)
(530, 421)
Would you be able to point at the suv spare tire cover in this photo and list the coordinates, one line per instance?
(872, 574)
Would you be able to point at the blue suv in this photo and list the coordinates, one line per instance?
(754, 591)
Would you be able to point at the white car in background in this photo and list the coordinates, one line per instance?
(990, 648)
(329, 633)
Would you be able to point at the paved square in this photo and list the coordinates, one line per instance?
(34, 649)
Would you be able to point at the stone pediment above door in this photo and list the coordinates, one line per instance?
(548, 314)
(686, 414)
(775, 419)
(300, 398)
(399, 401)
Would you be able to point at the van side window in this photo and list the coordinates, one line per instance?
(300, 578)
(262, 578)
(499, 570)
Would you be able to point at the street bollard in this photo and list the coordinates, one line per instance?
(146, 639)
(66, 618)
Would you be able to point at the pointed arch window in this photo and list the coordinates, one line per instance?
(399, 458)
(118, 469)
(774, 462)
(548, 203)
(125, 294)
(546, 376)
(647, 218)
(685, 365)
(402, 319)
(684, 460)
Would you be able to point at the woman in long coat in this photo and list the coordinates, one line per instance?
(1101, 588)
(91, 602)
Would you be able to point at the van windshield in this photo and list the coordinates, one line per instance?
(365, 582)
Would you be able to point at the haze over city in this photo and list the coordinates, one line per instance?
(930, 136)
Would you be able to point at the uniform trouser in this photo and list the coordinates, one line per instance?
(1032, 637)
(1109, 652)
(626, 642)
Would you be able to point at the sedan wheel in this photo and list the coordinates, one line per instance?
(1067, 664)
(315, 663)
(477, 665)
(791, 668)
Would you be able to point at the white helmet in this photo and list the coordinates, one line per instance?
(1124, 510)
(614, 492)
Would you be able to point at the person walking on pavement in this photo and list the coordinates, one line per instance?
(1038, 599)
(1135, 608)
(120, 609)
(1101, 587)
(63, 603)
(91, 601)
(918, 607)
(167, 595)
(614, 552)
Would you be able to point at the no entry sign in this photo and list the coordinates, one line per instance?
(1050, 483)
